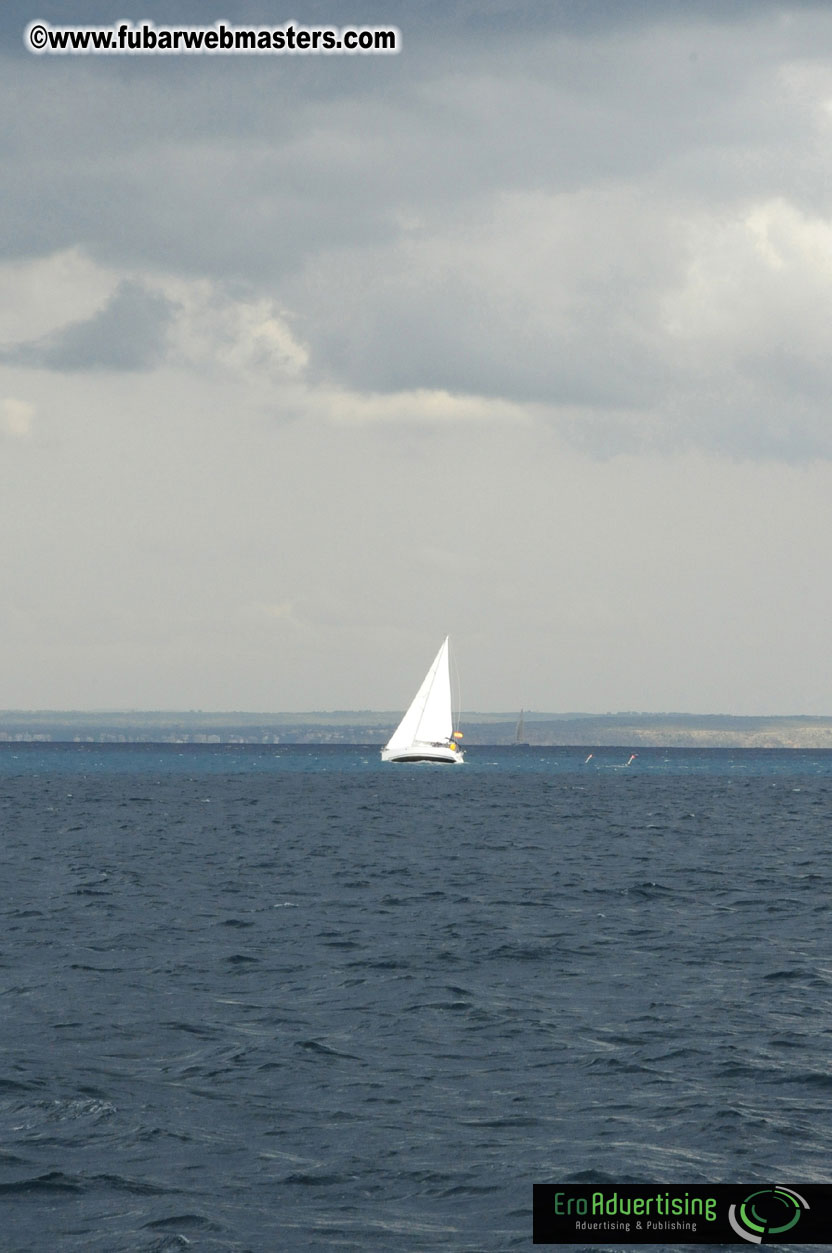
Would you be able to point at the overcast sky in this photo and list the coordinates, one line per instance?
(522, 334)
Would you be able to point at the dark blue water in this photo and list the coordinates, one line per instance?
(290, 998)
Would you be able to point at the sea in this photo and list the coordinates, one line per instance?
(267, 998)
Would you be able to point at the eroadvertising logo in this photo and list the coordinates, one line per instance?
(695, 1213)
(768, 1212)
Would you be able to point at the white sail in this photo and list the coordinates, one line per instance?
(426, 732)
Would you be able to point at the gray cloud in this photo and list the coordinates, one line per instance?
(282, 159)
(509, 208)
(129, 333)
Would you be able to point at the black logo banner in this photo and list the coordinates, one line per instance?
(696, 1213)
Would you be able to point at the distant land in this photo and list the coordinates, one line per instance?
(629, 730)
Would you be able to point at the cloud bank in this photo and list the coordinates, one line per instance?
(622, 222)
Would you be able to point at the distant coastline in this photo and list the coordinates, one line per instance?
(631, 730)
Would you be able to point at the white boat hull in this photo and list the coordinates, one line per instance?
(437, 753)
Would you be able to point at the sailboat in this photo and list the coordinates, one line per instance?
(426, 732)
(520, 740)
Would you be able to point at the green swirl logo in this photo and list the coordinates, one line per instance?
(770, 1212)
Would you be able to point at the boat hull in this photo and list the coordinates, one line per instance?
(437, 754)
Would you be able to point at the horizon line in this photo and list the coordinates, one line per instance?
(528, 714)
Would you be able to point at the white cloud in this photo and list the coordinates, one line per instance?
(239, 334)
(420, 406)
(16, 417)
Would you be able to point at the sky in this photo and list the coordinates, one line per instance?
(521, 334)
